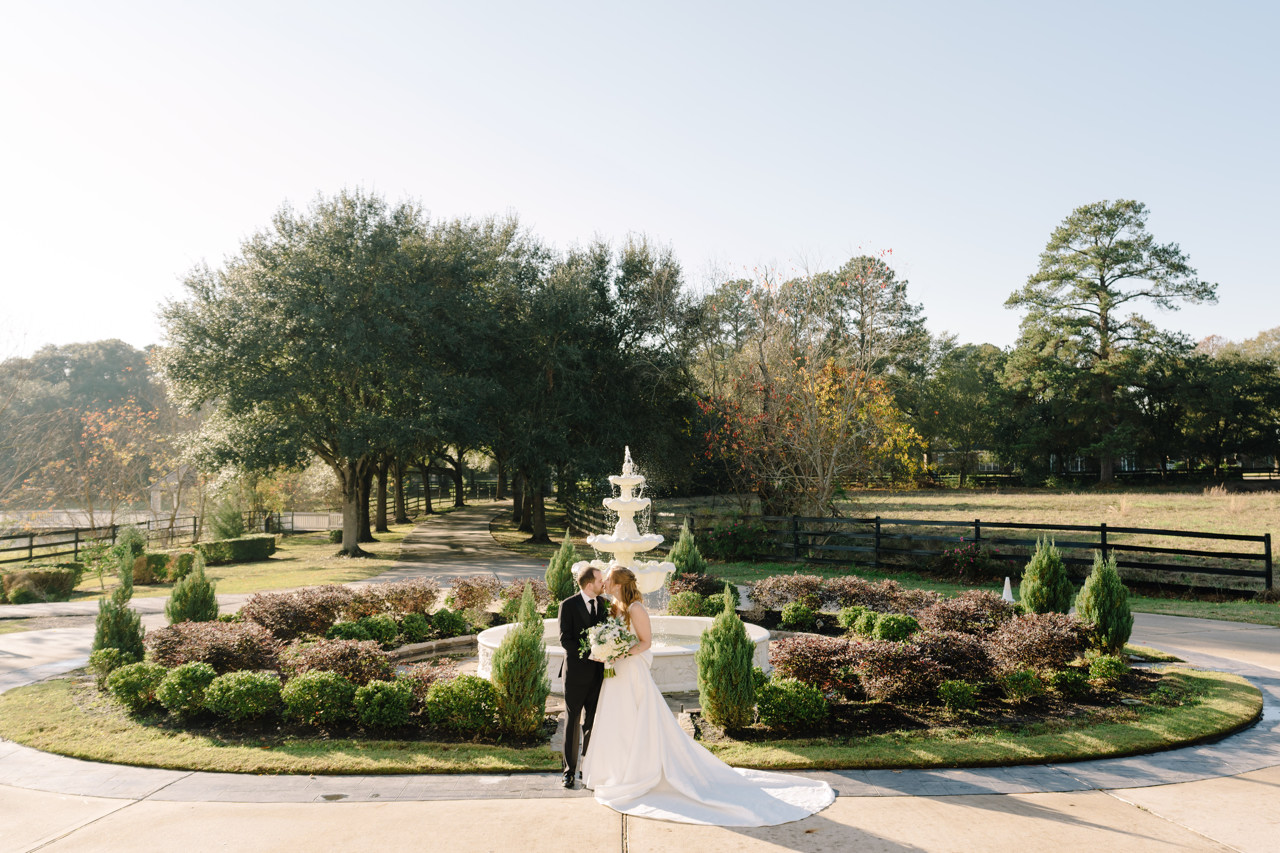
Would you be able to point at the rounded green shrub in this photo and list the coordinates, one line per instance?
(193, 598)
(520, 681)
(384, 704)
(716, 602)
(685, 554)
(958, 695)
(724, 657)
(895, 627)
(319, 698)
(347, 631)
(465, 706)
(134, 685)
(103, 662)
(181, 691)
(25, 592)
(848, 617)
(1103, 604)
(687, 603)
(797, 616)
(1045, 587)
(786, 704)
(335, 537)
(865, 626)
(382, 628)
(1021, 685)
(559, 574)
(1069, 682)
(1108, 669)
(415, 627)
(243, 695)
(446, 623)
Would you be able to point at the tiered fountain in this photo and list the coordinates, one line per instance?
(675, 638)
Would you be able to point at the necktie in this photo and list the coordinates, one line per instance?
(591, 608)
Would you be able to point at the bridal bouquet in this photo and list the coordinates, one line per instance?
(608, 641)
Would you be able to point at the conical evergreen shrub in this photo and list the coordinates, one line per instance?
(726, 688)
(685, 554)
(560, 571)
(118, 626)
(1103, 603)
(193, 598)
(1045, 586)
(519, 673)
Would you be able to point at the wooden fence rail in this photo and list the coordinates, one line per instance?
(879, 541)
(48, 543)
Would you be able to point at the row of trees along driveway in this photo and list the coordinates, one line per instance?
(361, 332)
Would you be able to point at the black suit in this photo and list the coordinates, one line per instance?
(582, 676)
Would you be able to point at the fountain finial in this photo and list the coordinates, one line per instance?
(628, 467)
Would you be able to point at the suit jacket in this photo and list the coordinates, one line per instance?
(574, 622)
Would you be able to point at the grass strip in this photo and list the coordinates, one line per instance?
(69, 717)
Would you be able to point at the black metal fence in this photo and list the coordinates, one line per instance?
(1144, 554)
(50, 543)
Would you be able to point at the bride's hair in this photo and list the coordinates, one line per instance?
(628, 592)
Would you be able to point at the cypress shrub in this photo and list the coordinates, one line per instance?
(520, 679)
(725, 686)
(117, 625)
(1103, 604)
(226, 521)
(1045, 586)
(131, 543)
(193, 598)
(559, 575)
(685, 554)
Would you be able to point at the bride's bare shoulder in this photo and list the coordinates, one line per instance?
(637, 607)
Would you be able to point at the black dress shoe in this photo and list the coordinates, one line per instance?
(568, 780)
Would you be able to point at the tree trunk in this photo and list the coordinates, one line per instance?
(517, 496)
(526, 504)
(401, 508)
(459, 490)
(366, 489)
(444, 487)
(501, 493)
(380, 519)
(538, 511)
(428, 509)
(350, 474)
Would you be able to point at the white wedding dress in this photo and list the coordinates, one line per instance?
(642, 763)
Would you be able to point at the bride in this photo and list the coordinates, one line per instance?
(642, 763)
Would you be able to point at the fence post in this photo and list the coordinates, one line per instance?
(1266, 550)
(31, 547)
(977, 531)
(876, 559)
(1102, 529)
(75, 547)
(795, 537)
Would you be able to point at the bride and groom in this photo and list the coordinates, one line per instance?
(634, 755)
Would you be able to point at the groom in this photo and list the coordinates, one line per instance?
(582, 676)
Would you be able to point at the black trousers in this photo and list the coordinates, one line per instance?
(580, 701)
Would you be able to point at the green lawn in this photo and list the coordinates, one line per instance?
(69, 717)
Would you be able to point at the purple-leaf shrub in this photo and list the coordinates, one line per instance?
(823, 662)
(974, 611)
(893, 672)
(358, 661)
(226, 646)
(1041, 641)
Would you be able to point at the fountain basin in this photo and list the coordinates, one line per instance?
(676, 638)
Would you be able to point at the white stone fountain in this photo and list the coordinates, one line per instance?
(675, 638)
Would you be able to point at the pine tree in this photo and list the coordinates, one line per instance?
(559, 571)
(685, 554)
(726, 688)
(193, 598)
(520, 672)
(1045, 586)
(1104, 604)
(118, 626)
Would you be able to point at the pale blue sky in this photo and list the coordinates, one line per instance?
(141, 138)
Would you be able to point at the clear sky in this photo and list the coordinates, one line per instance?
(138, 139)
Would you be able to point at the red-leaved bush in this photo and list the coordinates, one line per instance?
(1041, 641)
(776, 592)
(886, 596)
(896, 672)
(974, 611)
(226, 646)
(822, 662)
(421, 676)
(515, 592)
(397, 598)
(475, 592)
(962, 657)
(358, 661)
(704, 585)
(291, 614)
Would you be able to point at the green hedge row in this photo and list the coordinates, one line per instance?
(245, 549)
(42, 582)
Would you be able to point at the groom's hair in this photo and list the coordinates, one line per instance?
(587, 576)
